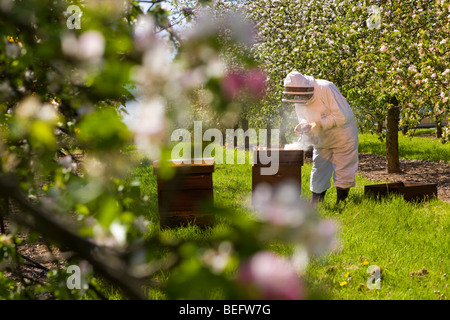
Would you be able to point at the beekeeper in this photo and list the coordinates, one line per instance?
(325, 117)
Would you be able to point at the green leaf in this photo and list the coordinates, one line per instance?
(41, 135)
(103, 129)
(109, 210)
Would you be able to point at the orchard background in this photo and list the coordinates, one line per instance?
(77, 180)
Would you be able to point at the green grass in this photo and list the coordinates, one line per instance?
(418, 148)
(400, 237)
(404, 239)
(410, 242)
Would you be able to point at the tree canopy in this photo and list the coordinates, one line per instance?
(372, 50)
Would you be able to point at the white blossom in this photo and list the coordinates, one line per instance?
(412, 68)
(89, 47)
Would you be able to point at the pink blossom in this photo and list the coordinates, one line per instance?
(144, 34)
(232, 85)
(256, 83)
(325, 237)
(273, 277)
(237, 82)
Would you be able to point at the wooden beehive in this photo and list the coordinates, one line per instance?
(182, 198)
(290, 167)
(411, 191)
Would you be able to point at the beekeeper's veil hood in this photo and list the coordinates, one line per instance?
(299, 88)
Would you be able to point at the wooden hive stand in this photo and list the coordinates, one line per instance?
(290, 167)
(182, 199)
(411, 191)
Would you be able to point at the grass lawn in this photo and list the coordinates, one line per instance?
(410, 242)
(415, 148)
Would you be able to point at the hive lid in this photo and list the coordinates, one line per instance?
(191, 165)
(187, 162)
(285, 157)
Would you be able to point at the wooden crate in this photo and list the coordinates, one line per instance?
(290, 167)
(411, 191)
(182, 199)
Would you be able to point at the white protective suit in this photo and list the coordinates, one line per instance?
(335, 135)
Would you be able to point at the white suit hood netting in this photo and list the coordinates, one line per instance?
(336, 134)
(296, 79)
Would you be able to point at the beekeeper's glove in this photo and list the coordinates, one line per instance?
(306, 128)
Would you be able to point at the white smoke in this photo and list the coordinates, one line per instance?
(305, 142)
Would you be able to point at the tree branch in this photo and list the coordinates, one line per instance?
(104, 260)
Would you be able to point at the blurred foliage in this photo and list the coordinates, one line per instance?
(66, 156)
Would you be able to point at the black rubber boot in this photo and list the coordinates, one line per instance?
(318, 197)
(342, 194)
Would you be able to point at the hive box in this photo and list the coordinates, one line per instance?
(411, 191)
(290, 167)
(182, 199)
